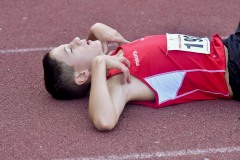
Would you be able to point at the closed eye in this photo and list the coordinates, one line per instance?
(68, 50)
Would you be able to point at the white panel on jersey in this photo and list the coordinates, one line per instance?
(166, 85)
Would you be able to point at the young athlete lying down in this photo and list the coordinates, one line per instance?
(155, 71)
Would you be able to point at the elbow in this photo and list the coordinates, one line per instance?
(103, 125)
(95, 26)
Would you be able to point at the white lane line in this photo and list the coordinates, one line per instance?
(45, 49)
(40, 49)
(23, 50)
(165, 154)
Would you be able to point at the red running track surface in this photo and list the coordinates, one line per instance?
(35, 126)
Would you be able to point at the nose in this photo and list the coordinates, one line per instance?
(76, 41)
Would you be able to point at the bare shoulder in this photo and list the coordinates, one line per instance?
(134, 91)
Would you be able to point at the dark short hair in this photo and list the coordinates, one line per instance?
(59, 80)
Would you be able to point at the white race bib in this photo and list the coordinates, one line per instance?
(188, 43)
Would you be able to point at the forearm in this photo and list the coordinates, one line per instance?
(101, 108)
(106, 34)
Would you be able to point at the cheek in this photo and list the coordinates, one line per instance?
(76, 60)
(82, 61)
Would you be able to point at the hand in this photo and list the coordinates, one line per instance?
(107, 34)
(116, 62)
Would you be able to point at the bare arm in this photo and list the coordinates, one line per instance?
(105, 34)
(104, 108)
(102, 32)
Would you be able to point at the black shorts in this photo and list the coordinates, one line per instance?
(233, 45)
(234, 74)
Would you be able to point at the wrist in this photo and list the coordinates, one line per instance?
(98, 61)
(98, 67)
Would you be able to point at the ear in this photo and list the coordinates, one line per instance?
(81, 77)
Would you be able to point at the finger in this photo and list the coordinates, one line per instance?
(126, 74)
(125, 60)
(110, 53)
(129, 79)
(123, 39)
(119, 40)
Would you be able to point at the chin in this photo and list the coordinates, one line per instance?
(99, 51)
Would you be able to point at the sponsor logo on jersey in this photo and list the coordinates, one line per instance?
(135, 55)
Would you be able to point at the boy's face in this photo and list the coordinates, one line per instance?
(78, 53)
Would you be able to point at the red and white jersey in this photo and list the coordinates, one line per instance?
(176, 76)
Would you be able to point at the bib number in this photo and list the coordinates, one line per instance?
(188, 43)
